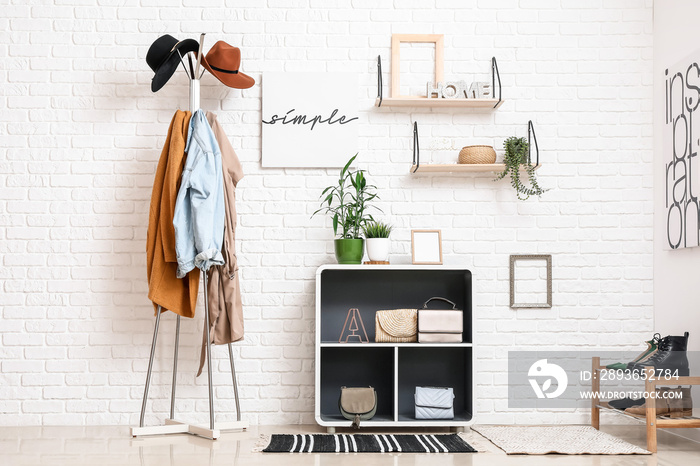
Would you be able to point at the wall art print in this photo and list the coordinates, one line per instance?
(681, 140)
(309, 119)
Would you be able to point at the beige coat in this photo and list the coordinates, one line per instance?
(223, 291)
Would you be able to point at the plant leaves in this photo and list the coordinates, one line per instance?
(349, 201)
(347, 165)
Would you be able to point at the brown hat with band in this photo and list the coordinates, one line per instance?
(223, 61)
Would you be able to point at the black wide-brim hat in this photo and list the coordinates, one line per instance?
(163, 58)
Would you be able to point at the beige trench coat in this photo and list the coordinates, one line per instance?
(223, 291)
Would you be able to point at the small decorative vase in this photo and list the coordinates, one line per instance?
(349, 251)
(378, 249)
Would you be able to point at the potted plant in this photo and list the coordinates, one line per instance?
(377, 236)
(347, 203)
(517, 156)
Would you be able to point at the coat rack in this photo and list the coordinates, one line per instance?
(171, 425)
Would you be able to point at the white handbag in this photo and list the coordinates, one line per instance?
(440, 326)
(434, 403)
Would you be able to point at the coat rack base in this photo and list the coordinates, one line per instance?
(172, 426)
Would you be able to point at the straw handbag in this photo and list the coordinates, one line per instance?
(477, 154)
(396, 326)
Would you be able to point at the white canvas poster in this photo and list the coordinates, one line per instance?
(681, 140)
(309, 119)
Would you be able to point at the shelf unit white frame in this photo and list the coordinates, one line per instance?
(332, 425)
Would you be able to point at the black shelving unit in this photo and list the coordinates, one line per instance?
(393, 369)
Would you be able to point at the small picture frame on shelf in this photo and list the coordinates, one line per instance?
(426, 247)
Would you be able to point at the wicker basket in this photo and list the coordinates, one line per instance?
(396, 326)
(477, 154)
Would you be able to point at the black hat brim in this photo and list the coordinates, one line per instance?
(166, 69)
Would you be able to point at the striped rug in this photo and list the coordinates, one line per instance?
(367, 443)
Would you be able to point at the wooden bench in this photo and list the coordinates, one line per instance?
(652, 422)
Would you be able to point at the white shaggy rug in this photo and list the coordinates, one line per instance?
(565, 440)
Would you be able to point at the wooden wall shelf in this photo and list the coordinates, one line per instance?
(471, 168)
(488, 104)
(397, 100)
(461, 168)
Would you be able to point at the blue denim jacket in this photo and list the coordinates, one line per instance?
(199, 208)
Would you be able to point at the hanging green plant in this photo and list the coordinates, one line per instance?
(517, 156)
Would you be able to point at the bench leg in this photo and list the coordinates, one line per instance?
(650, 403)
(595, 387)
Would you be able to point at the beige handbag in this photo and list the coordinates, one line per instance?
(396, 326)
(438, 325)
(357, 404)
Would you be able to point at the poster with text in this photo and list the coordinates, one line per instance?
(681, 139)
(309, 119)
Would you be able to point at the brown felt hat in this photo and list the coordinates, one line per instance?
(223, 61)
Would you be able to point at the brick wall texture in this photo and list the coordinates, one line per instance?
(81, 135)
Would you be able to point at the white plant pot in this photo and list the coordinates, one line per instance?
(378, 249)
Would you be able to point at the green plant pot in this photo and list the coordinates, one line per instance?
(349, 251)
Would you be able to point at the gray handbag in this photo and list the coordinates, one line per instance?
(434, 403)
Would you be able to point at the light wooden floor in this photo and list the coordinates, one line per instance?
(103, 446)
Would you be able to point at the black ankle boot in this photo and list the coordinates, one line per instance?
(671, 355)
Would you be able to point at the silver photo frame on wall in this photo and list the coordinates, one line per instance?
(530, 257)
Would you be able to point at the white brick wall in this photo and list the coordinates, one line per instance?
(81, 134)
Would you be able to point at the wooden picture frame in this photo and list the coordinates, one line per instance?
(397, 40)
(545, 257)
(426, 247)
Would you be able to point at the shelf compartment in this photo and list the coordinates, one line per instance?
(488, 104)
(370, 290)
(435, 367)
(347, 367)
